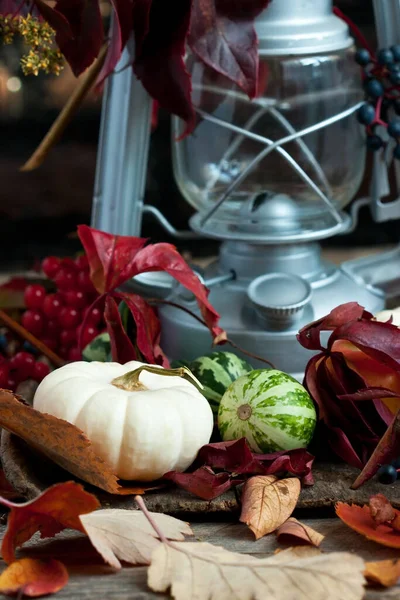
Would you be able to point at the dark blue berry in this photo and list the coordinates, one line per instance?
(396, 52)
(396, 154)
(385, 57)
(394, 128)
(395, 77)
(396, 463)
(366, 114)
(363, 57)
(374, 142)
(29, 348)
(394, 68)
(3, 341)
(396, 106)
(387, 474)
(374, 88)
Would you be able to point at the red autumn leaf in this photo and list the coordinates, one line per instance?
(359, 518)
(85, 21)
(122, 349)
(223, 465)
(57, 21)
(120, 31)
(165, 257)
(112, 258)
(148, 329)
(33, 578)
(381, 510)
(222, 35)
(159, 63)
(203, 482)
(56, 509)
(387, 450)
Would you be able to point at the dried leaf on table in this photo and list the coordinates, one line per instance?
(383, 572)
(56, 509)
(203, 482)
(381, 510)
(294, 532)
(205, 571)
(62, 442)
(267, 502)
(360, 519)
(33, 578)
(127, 535)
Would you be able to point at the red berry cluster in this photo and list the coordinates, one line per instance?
(20, 367)
(56, 318)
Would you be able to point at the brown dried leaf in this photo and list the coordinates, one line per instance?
(381, 509)
(204, 572)
(267, 502)
(294, 532)
(127, 535)
(62, 442)
(383, 572)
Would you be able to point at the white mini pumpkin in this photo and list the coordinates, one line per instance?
(143, 432)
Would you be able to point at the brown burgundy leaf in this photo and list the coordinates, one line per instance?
(383, 572)
(127, 535)
(381, 509)
(62, 442)
(267, 502)
(34, 578)
(294, 532)
(56, 509)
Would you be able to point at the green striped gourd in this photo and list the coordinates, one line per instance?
(216, 372)
(270, 408)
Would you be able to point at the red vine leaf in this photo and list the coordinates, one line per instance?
(56, 509)
(222, 35)
(122, 349)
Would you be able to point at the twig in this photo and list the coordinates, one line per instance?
(68, 112)
(226, 340)
(140, 502)
(56, 360)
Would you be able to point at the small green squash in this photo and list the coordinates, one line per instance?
(216, 372)
(269, 408)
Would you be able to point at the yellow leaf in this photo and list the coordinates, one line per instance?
(383, 572)
(267, 502)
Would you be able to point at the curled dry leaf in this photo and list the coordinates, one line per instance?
(62, 442)
(267, 502)
(56, 509)
(360, 519)
(34, 578)
(127, 535)
(294, 532)
(383, 572)
(204, 571)
(6, 489)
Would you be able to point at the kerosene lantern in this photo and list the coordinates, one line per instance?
(269, 178)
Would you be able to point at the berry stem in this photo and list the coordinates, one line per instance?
(378, 120)
(355, 30)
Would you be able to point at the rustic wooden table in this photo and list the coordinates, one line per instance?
(90, 579)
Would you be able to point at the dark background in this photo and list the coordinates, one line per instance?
(39, 211)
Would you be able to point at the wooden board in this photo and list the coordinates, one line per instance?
(91, 580)
(31, 475)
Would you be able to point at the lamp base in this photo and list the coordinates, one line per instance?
(185, 338)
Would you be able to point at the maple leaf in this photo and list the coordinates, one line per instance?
(33, 578)
(56, 509)
(360, 519)
(222, 35)
(383, 572)
(267, 502)
(75, 453)
(294, 532)
(127, 535)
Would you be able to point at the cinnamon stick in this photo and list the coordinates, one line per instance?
(56, 360)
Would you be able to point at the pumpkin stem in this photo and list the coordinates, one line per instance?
(130, 381)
